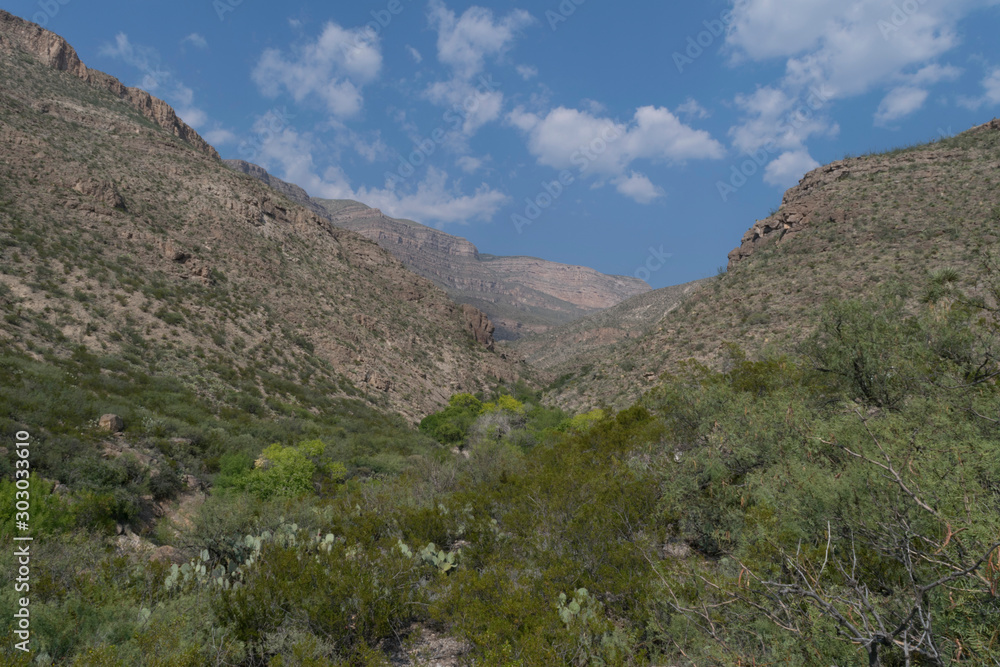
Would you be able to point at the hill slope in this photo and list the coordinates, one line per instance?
(520, 294)
(124, 235)
(587, 339)
(845, 230)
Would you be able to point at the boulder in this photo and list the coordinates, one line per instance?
(112, 423)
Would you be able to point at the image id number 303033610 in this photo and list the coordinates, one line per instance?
(22, 540)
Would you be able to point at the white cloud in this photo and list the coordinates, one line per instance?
(155, 79)
(527, 72)
(692, 109)
(465, 42)
(638, 187)
(219, 136)
(991, 93)
(789, 167)
(567, 138)
(193, 116)
(196, 40)
(991, 84)
(832, 50)
(849, 46)
(434, 200)
(469, 164)
(778, 118)
(475, 105)
(417, 58)
(605, 148)
(333, 69)
(932, 74)
(899, 103)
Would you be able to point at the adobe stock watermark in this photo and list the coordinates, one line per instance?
(562, 13)
(551, 191)
(454, 119)
(901, 15)
(223, 7)
(48, 9)
(22, 542)
(267, 128)
(655, 261)
(698, 44)
(740, 174)
(381, 18)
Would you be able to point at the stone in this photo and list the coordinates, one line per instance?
(105, 192)
(112, 423)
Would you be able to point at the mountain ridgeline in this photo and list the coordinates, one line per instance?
(521, 295)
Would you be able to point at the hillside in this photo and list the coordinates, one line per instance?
(846, 229)
(587, 339)
(520, 294)
(125, 237)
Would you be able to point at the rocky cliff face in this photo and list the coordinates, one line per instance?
(52, 50)
(520, 294)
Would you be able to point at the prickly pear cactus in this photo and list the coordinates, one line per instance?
(229, 574)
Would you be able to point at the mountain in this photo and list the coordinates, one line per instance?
(124, 236)
(586, 339)
(887, 220)
(520, 294)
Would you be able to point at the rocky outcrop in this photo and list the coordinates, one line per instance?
(103, 191)
(52, 50)
(519, 294)
(479, 325)
(799, 208)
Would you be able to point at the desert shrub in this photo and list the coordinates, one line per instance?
(451, 425)
(49, 513)
(351, 595)
(870, 348)
(165, 484)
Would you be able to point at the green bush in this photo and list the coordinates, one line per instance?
(48, 513)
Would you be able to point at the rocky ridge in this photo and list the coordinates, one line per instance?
(131, 240)
(520, 294)
(808, 203)
(52, 50)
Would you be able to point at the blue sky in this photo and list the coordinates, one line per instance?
(610, 135)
